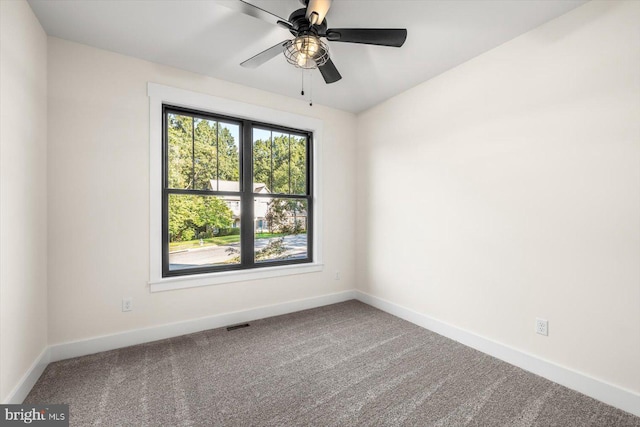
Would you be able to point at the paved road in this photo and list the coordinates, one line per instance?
(296, 245)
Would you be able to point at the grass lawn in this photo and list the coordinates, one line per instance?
(215, 241)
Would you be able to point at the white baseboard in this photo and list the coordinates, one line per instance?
(28, 380)
(618, 397)
(139, 336)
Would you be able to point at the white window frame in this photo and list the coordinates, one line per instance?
(161, 94)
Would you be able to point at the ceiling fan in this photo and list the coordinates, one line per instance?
(308, 26)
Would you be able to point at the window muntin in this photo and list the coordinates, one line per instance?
(206, 162)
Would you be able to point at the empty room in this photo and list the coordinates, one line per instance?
(320, 213)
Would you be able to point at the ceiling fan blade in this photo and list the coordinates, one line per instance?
(378, 36)
(264, 56)
(251, 10)
(317, 10)
(329, 72)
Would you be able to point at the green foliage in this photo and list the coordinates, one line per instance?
(200, 151)
(228, 232)
(188, 234)
(280, 163)
(196, 216)
(285, 216)
(179, 151)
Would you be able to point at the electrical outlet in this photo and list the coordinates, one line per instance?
(127, 304)
(542, 327)
(337, 275)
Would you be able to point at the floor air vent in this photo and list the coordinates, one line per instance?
(234, 327)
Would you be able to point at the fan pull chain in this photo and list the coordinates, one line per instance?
(311, 90)
(310, 80)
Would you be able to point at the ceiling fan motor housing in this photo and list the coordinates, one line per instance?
(300, 25)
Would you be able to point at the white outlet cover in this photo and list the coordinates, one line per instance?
(542, 326)
(127, 304)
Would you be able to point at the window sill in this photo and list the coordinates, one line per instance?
(182, 282)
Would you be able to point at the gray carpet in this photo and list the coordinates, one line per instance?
(344, 364)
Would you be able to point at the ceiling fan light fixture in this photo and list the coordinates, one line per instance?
(306, 51)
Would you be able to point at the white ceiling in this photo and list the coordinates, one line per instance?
(209, 38)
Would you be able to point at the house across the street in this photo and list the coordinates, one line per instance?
(260, 207)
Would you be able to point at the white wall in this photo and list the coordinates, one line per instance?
(509, 188)
(23, 192)
(99, 198)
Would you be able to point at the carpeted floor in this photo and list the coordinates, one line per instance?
(344, 364)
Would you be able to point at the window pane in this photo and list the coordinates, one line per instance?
(298, 164)
(280, 161)
(280, 229)
(262, 157)
(203, 231)
(280, 155)
(180, 159)
(228, 158)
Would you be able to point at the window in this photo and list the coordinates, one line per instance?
(220, 110)
(237, 194)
